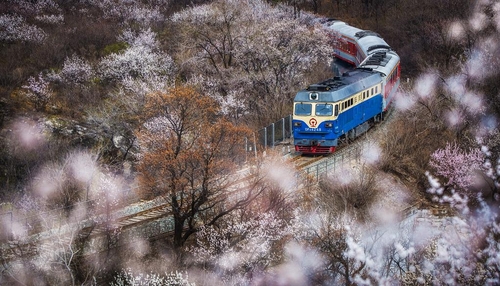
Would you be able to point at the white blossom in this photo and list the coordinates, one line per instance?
(145, 13)
(243, 244)
(140, 60)
(127, 277)
(38, 90)
(51, 19)
(76, 70)
(15, 28)
(36, 7)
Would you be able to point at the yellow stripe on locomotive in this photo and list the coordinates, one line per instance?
(326, 111)
(321, 112)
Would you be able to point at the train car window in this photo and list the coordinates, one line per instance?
(352, 101)
(336, 109)
(343, 105)
(372, 90)
(352, 48)
(303, 109)
(324, 109)
(376, 89)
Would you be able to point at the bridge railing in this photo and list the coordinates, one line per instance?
(317, 172)
(14, 224)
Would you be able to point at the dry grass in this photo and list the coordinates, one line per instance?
(354, 197)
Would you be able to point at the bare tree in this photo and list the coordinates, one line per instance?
(190, 155)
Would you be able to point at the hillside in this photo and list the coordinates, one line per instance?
(108, 103)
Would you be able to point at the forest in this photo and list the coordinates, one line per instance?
(112, 107)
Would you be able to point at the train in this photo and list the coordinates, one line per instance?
(347, 105)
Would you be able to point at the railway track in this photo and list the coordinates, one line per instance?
(161, 210)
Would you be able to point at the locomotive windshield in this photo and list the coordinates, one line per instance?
(324, 109)
(303, 109)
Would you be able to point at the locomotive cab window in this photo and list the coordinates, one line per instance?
(324, 109)
(303, 109)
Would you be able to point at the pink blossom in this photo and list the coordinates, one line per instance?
(456, 165)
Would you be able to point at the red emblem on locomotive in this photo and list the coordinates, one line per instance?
(313, 122)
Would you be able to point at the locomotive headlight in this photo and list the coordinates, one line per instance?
(297, 124)
(328, 125)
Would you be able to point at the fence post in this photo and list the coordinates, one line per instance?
(246, 149)
(272, 137)
(255, 146)
(283, 128)
(265, 137)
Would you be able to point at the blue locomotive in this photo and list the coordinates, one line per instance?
(346, 106)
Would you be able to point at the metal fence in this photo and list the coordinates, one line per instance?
(276, 133)
(317, 171)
